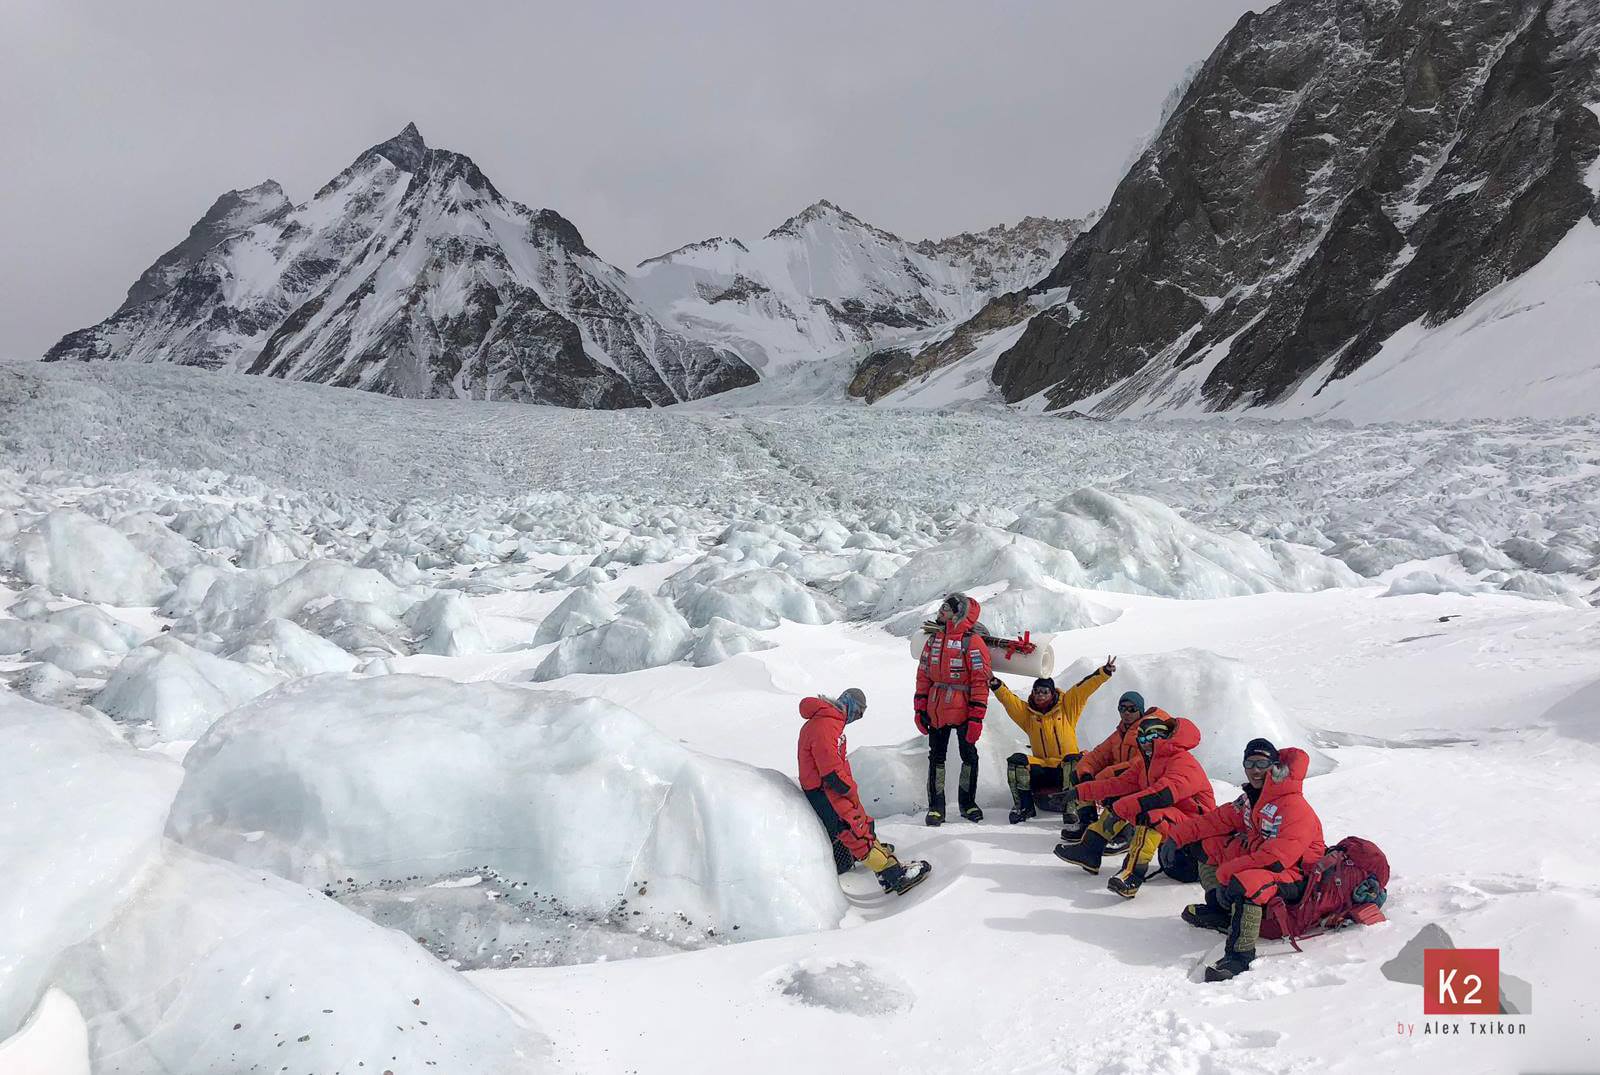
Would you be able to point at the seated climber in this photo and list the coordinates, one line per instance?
(830, 787)
(1112, 756)
(1050, 720)
(1164, 784)
(1256, 847)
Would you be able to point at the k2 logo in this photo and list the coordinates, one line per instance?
(1461, 981)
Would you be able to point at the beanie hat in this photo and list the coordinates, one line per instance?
(1132, 696)
(1263, 747)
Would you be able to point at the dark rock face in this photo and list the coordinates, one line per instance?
(407, 274)
(1338, 169)
(885, 371)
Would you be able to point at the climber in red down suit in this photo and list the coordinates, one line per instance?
(830, 787)
(952, 697)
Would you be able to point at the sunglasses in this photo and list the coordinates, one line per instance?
(1258, 763)
(1127, 709)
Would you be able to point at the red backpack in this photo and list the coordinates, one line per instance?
(1348, 884)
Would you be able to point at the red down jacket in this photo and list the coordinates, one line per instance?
(1279, 833)
(953, 674)
(826, 779)
(1170, 786)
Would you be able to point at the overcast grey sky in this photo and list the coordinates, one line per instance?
(648, 123)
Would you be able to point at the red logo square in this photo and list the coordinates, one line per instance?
(1461, 981)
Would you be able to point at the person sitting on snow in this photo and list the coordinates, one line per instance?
(1165, 783)
(1050, 720)
(1110, 758)
(1256, 847)
(953, 696)
(830, 787)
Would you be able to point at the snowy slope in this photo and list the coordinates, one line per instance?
(409, 274)
(1408, 602)
(825, 282)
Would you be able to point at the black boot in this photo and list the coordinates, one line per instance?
(967, 791)
(1020, 779)
(1086, 852)
(1231, 965)
(902, 877)
(935, 794)
(1137, 865)
(1244, 928)
(1208, 915)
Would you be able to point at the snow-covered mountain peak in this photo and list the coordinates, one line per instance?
(826, 214)
(410, 274)
(235, 211)
(826, 282)
(405, 150)
(705, 246)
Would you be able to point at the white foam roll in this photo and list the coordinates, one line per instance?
(1041, 662)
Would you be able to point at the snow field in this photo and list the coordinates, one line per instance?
(539, 650)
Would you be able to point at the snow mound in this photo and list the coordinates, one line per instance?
(149, 533)
(721, 639)
(69, 553)
(44, 682)
(320, 581)
(81, 815)
(404, 776)
(285, 646)
(1424, 582)
(1042, 609)
(1135, 544)
(648, 633)
(1578, 714)
(760, 598)
(1223, 697)
(31, 636)
(78, 656)
(175, 691)
(220, 969)
(584, 608)
(975, 555)
(448, 626)
(848, 987)
(94, 625)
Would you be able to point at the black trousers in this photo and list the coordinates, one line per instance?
(938, 748)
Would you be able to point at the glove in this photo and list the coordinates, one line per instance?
(994, 683)
(1127, 808)
(920, 719)
(972, 731)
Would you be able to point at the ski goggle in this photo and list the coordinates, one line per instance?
(1258, 763)
(1146, 738)
(1369, 891)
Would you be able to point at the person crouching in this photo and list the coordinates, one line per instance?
(1165, 783)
